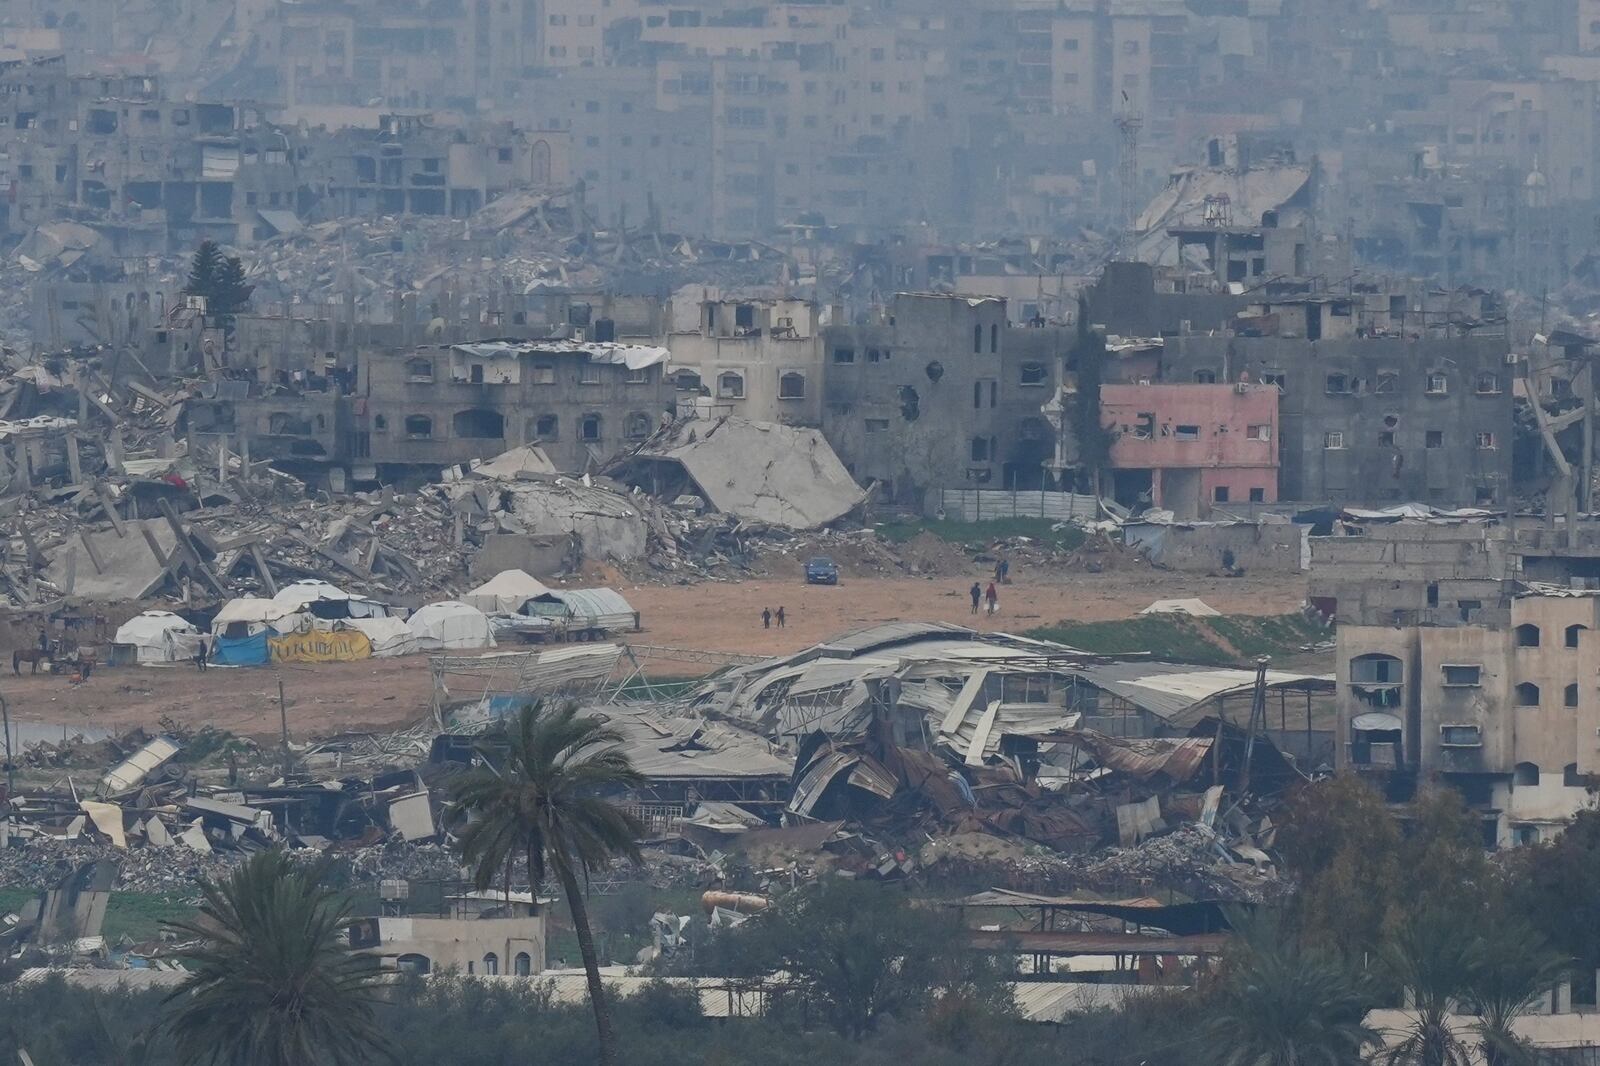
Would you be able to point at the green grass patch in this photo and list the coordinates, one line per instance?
(1181, 638)
(137, 915)
(1277, 636)
(1163, 636)
(982, 534)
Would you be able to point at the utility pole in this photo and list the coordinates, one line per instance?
(283, 719)
(1129, 123)
(1258, 720)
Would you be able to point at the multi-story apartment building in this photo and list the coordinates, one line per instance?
(757, 359)
(431, 407)
(1507, 714)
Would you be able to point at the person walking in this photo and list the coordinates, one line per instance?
(1005, 571)
(782, 621)
(994, 599)
(200, 655)
(977, 596)
(766, 618)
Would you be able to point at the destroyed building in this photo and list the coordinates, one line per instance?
(580, 402)
(1507, 714)
(1368, 413)
(761, 360)
(429, 927)
(1184, 448)
(942, 393)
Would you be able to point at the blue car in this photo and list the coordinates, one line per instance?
(821, 571)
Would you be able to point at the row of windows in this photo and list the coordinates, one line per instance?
(1388, 381)
(480, 424)
(1334, 440)
(420, 370)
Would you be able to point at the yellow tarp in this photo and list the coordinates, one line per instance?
(320, 646)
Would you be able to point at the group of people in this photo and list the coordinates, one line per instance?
(989, 596)
(767, 617)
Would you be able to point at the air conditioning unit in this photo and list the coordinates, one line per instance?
(578, 335)
(195, 303)
(1511, 359)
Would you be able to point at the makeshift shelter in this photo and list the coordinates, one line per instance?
(158, 637)
(388, 636)
(451, 624)
(299, 593)
(506, 592)
(585, 609)
(240, 631)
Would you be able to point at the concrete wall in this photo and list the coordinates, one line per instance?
(1396, 440)
(1266, 547)
(1386, 572)
(784, 342)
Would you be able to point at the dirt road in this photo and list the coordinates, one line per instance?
(718, 616)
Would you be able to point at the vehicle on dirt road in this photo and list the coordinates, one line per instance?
(821, 571)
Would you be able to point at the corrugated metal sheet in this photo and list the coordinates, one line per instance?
(1172, 689)
(977, 505)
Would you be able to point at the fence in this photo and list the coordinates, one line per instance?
(982, 505)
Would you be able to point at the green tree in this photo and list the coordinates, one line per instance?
(1516, 965)
(859, 951)
(220, 279)
(1278, 1004)
(1436, 960)
(205, 271)
(273, 981)
(1342, 845)
(1553, 884)
(544, 802)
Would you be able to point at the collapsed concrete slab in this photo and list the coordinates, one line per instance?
(763, 471)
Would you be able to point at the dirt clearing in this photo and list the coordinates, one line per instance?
(713, 615)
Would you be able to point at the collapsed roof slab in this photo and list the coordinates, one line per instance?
(782, 475)
(109, 565)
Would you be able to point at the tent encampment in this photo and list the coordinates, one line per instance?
(389, 636)
(158, 637)
(506, 592)
(451, 624)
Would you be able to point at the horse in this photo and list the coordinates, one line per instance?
(32, 656)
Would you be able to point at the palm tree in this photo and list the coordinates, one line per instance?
(545, 804)
(1281, 1005)
(1436, 961)
(1517, 964)
(273, 981)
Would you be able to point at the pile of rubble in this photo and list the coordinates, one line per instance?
(175, 807)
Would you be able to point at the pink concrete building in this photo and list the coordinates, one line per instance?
(1189, 447)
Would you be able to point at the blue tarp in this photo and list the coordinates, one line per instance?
(240, 651)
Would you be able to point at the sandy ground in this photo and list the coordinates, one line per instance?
(717, 616)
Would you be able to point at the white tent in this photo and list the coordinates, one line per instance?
(299, 593)
(506, 592)
(451, 624)
(159, 637)
(253, 613)
(388, 636)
